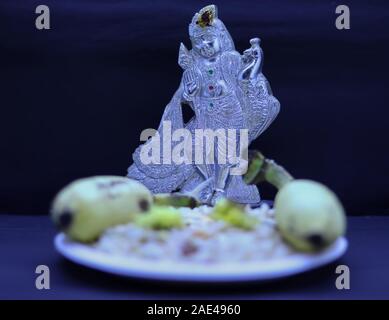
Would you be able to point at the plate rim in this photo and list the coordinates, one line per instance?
(89, 257)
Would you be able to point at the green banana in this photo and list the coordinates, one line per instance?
(86, 207)
(309, 216)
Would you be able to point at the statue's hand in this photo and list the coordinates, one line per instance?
(191, 86)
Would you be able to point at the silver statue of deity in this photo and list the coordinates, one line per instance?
(225, 90)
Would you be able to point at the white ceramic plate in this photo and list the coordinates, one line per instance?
(173, 271)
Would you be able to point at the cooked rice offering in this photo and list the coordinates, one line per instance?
(202, 239)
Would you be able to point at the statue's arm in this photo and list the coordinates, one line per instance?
(190, 80)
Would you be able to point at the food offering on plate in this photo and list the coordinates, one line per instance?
(119, 216)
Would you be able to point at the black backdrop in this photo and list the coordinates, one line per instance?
(75, 98)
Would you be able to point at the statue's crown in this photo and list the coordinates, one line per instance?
(204, 21)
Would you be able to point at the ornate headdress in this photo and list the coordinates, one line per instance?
(206, 21)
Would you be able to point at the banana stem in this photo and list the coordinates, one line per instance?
(262, 169)
(276, 174)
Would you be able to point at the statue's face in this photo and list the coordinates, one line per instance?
(207, 45)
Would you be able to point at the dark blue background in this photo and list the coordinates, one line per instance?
(75, 98)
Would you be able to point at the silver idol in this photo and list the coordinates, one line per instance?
(225, 90)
